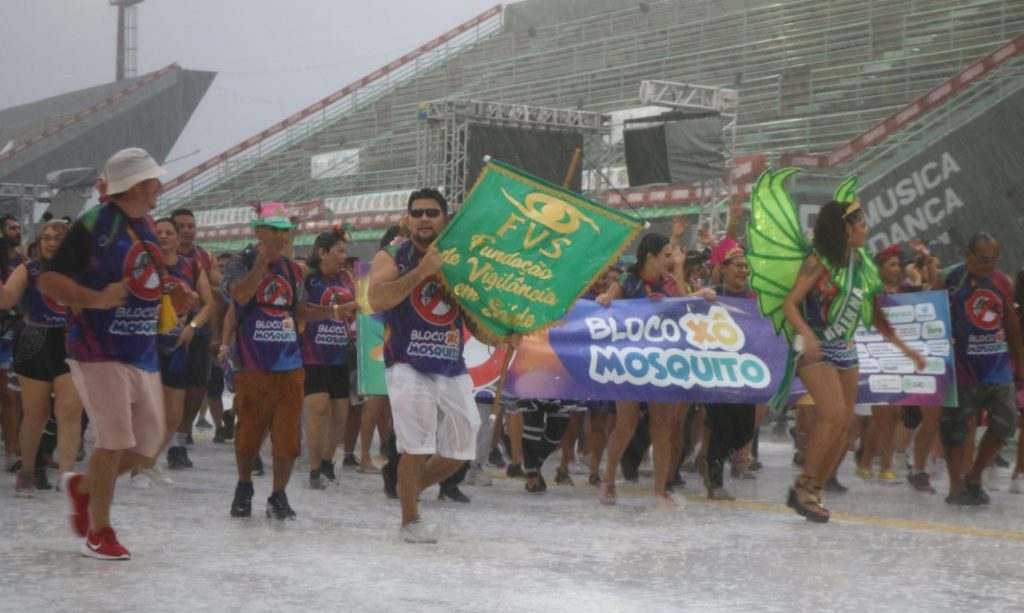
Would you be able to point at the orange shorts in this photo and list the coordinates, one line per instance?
(269, 402)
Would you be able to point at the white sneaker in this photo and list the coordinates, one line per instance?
(579, 467)
(157, 476)
(990, 478)
(417, 532)
(1017, 484)
(138, 481)
(476, 476)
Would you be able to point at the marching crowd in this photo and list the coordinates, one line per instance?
(126, 317)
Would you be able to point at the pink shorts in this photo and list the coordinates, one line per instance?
(125, 405)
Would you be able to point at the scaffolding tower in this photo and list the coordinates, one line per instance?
(443, 137)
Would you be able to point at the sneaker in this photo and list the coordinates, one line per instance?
(157, 476)
(608, 495)
(720, 493)
(12, 464)
(1000, 461)
(677, 481)
(889, 476)
(229, 425)
(865, 473)
(579, 467)
(978, 492)
(189, 441)
(514, 471)
(538, 488)
(689, 466)
(563, 478)
(187, 463)
(218, 436)
(495, 459)
(921, 482)
(833, 485)
(278, 507)
(756, 466)
(990, 477)
(79, 502)
(202, 424)
(1017, 484)
(177, 458)
(316, 480)
(24, 484)
(241, 506)
(102, 545)
(390, 481)
(417, 532)
(962, 499)
(138, 481)
(350, 462)
(257, 466)
(41, 480)
(327, 470)
(453, 493)
(476, 476)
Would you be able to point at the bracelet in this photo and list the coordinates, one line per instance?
(334, 310)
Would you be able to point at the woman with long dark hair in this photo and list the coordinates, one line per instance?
(657, 273)
(825, 306)
(325, 346)
(39, 356)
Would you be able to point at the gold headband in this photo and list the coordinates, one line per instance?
(852, 208)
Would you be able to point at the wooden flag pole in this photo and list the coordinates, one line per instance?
(510, 352)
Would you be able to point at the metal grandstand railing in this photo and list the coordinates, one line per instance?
(316, 117)
(811, 74)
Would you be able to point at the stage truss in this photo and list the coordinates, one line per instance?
(443, 137)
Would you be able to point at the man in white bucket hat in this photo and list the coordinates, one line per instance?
(109, 271)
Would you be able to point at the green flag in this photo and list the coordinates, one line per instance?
(521, 250)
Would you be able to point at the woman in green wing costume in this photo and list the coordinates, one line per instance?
(816, 293)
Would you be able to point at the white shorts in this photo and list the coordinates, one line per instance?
(433, 413)
(862, 409)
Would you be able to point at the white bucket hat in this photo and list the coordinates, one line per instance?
(129, 167)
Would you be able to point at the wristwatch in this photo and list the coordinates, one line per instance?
(193, 325)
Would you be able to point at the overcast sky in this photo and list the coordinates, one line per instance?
(274, 57)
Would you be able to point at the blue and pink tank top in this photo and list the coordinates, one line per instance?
(326, 342)
(425, 329)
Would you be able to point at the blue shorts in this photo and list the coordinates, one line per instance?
(840, 354)
(173, 368)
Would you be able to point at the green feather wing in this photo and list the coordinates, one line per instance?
(778, 247)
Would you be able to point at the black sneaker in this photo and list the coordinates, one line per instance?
(229, 425)
(187, 463)
(494, 458)
(218, 435)
(540, 488)
(350, 462)
(188, 439)
(278, 507)
(317, 480)
(515, 470)
(390, 481)
(241, 506)
(677, 481)
(833, 485)
(962, 498)
(41, 481)
(257, 466)
(453, 493)
(173, 455)
(978, 493)
(327, 470)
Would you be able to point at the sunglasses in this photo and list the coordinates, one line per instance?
(431, 213)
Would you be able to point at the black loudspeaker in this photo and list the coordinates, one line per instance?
(542, 153)
(678, 151)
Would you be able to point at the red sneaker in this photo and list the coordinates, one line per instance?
(102, 545)
(79, 502)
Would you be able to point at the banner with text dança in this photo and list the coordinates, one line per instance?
(668, 350)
